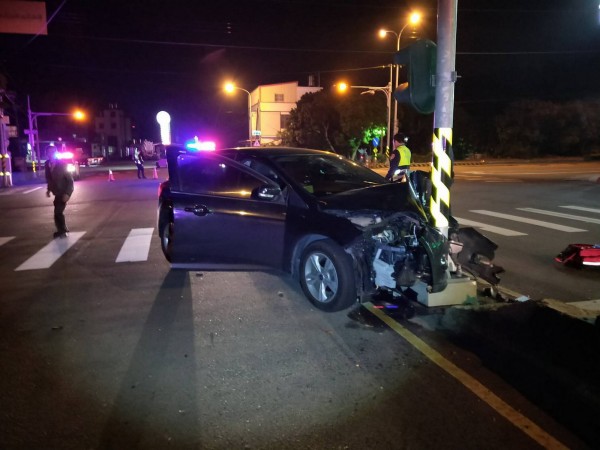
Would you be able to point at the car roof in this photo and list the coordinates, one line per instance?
(277, 151)
(258, 151)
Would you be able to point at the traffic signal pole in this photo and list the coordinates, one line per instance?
(445, 77)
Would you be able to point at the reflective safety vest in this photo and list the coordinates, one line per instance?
(405, 155)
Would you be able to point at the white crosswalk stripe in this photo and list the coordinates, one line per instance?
(563, 215)
(539, 223)
(4, 240)
(136, 246)
(32, 190)
(48, 255)
(490, 228)
(582, 208)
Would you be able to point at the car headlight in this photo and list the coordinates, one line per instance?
(71, 167)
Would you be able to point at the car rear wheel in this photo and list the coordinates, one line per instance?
(166, 239)
(166, 229)
(327, 277)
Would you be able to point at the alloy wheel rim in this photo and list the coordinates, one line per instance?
(321, 277)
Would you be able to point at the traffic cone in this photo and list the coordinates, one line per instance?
(111, 177)
(155, 174)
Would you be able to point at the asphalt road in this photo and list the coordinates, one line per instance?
(97, 353)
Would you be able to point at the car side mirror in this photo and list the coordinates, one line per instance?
(268, 192)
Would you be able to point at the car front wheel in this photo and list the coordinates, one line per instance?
(327, 277)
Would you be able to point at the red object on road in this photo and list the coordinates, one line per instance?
(579, 255)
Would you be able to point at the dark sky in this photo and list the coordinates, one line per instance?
(175, 55)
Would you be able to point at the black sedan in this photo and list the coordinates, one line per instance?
(341, 229)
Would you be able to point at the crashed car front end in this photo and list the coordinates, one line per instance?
(395, 250)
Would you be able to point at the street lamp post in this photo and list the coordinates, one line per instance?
(413, 20)
(230, 87)
(387, 90)
(32, 132)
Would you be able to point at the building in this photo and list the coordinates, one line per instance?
(113, 134)
(271, 105)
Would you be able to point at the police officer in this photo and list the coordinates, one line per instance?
(60, 183)
(400, 157)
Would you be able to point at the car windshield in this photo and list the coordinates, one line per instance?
(323, 174)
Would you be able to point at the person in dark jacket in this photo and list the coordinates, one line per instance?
(61, 185)
(138, 160)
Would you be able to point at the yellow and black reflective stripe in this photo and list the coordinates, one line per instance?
(441, 177)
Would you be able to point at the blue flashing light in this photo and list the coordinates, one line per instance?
(196, 144)
(63, 155)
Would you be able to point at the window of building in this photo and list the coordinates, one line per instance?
(113, 126)
(284, 120)
(113, 114)
(278, 97)
(101, 126)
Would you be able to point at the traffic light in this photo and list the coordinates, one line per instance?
(419, 59)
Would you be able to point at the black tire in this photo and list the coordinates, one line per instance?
(327, 276)
(167, 230)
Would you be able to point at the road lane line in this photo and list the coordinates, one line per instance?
(490, 228)
(32, 190)
(4, 240)
(523, 423)
(582, 208)
(539, 223)
(51, 252)
(136, 246)
(563, 215)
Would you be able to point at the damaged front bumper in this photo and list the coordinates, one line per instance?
(395, 251)
(474, 252)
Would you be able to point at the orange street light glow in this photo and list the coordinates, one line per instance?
(415, 18)
(78, 115)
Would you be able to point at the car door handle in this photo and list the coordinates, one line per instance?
(199, 210)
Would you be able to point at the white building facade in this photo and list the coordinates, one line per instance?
(271, 106)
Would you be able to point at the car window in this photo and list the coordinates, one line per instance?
(326, 174)
(203, 174)
(263, 169)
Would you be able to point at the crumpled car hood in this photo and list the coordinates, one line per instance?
(386, 198)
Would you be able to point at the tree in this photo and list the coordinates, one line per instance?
(314, 122)
(533, 128)
(327, 120)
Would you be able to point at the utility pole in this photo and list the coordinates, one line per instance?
(443, 156)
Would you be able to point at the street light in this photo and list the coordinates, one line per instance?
(32, 132)
(229, 88)
(387, 90)
(413, 19)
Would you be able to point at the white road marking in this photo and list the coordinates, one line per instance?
(490, 228)
(539, 223)
(4, 240)
(564, 216)
(137, 245)
(51, 252)
(582, 208)
(32, 190)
